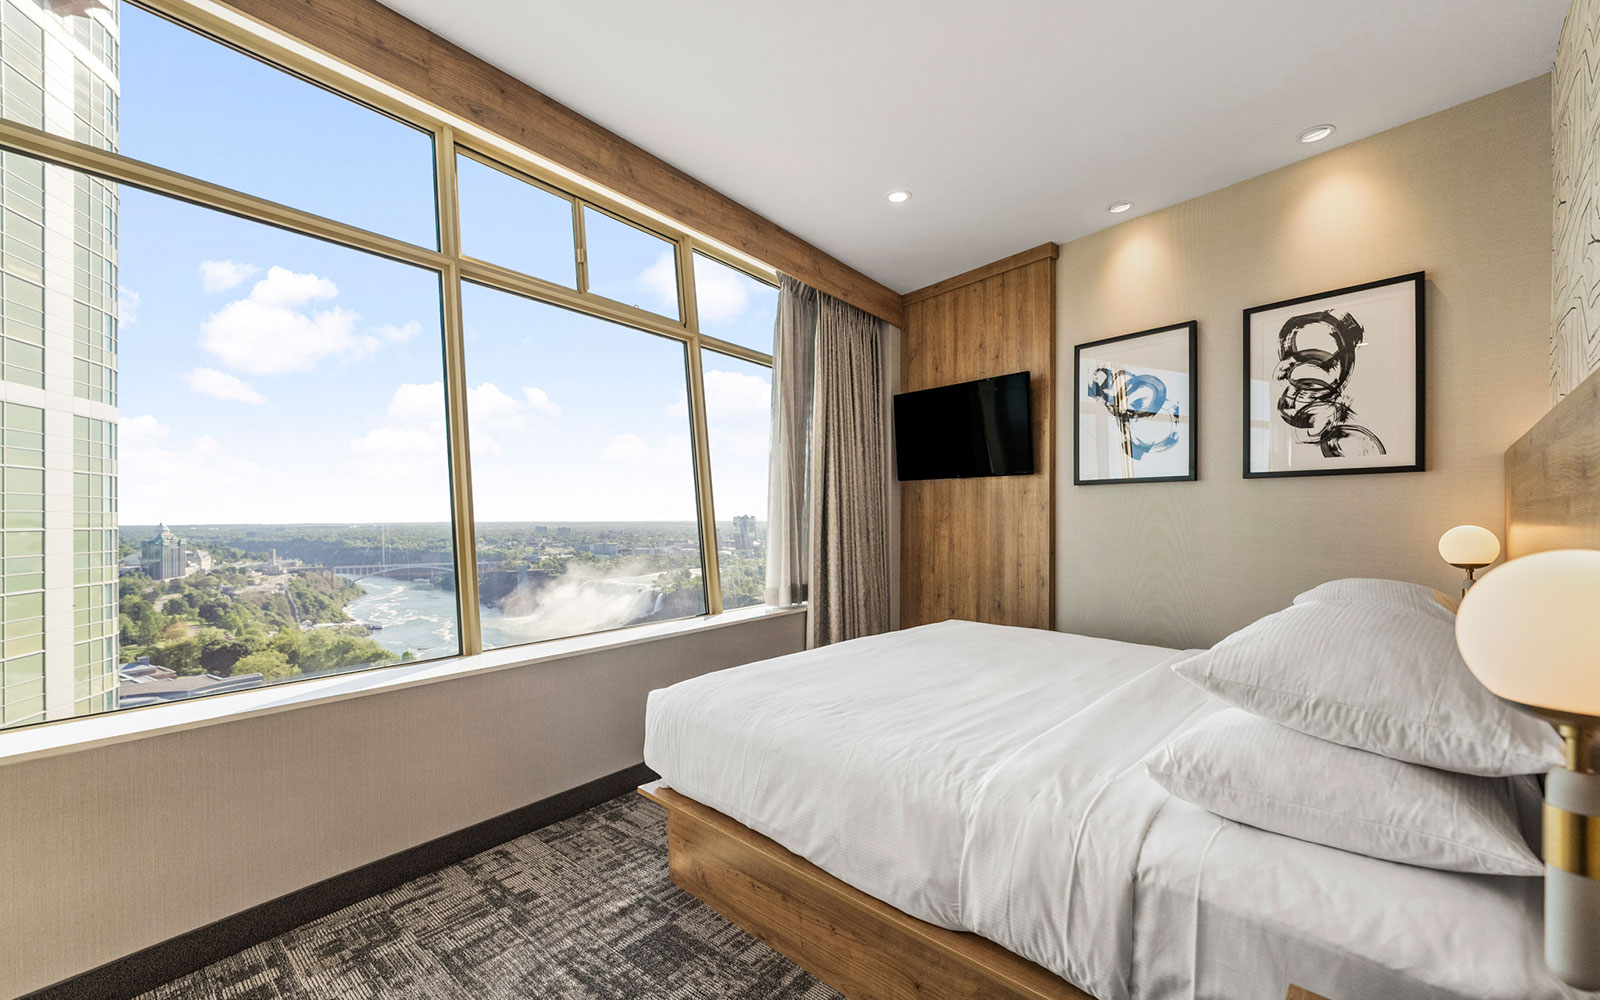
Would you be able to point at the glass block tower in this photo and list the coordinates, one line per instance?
(58, 360)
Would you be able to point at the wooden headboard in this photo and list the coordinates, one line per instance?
(1553, 478)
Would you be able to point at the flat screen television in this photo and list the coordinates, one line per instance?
(980, 428)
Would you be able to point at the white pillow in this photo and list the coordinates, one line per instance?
(1377, 677)
(1247, 769)
(1397, 592)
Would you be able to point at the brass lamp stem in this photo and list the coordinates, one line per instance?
(1575, 743)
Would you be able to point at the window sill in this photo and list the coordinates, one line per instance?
(69, 735)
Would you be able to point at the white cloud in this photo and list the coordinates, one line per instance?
(633, 450)
(539, 401)
(414, 424)
(283, 287)
(142, 429)
(489, 405)
(731, 397)
(624, 448)
(417, 403)
(127, 306)
(408, 442)
(275, 330)
(660, 282)
(269, 340)
(735, 395)
(267, 333)
(188, 482)
(721, 294)
(398, 334)
(221, 385)
(221, 275)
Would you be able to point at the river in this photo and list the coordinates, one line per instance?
(422, 618)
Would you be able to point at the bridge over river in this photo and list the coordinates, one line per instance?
(433, 572)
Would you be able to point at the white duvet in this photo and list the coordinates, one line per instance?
(987, 779)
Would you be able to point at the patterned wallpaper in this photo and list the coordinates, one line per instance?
(1575, 288)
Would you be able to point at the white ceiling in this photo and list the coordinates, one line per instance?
(1013, 122)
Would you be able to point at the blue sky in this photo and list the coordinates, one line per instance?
(271, 377)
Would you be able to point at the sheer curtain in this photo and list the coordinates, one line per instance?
(788, 523)
(828, 510)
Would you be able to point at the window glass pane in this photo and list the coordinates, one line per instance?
(582, 472)
(733, 306)
(203, 109)
(507, 221)
(253, 480)
(739, 423)
(630, 265)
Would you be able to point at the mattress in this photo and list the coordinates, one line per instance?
(987, 779)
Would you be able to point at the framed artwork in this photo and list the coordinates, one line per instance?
(1333, 382)
(1134, 408)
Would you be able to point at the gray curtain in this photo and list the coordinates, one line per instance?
(828, 510)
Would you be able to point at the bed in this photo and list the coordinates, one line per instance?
(957, 811)
(985, 780)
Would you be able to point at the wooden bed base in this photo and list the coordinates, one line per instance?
(861, 946)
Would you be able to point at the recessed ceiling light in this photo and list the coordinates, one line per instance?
(1316, 133)
(898, 196)
(1118, 207)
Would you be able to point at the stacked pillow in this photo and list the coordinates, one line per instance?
(1357, 725)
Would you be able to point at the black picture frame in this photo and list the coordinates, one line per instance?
(1191, 333)
(1418, 438)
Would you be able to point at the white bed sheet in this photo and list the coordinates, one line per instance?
(986, 778)
(863, 757)
(1273, 910)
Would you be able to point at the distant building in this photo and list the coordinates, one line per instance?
(604, 548)
(144, 683)
(195, 561)
(164, 557)
(541, 529)
(564, 532)
(744, 533)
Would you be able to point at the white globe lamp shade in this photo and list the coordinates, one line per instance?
(1469, 545)
(1530, 631)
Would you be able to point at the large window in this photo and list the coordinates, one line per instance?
(261, 344)
(582, 480)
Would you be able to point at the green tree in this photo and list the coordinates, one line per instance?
(269, 663)
(182, 655)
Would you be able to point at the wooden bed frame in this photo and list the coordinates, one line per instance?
(861, 946)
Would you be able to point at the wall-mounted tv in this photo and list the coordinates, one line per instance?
(980, 428)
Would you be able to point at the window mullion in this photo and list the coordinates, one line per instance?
(580, 247)
(711, 569)
(455, 365)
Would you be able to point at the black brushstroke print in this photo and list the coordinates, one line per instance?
(1316, 360)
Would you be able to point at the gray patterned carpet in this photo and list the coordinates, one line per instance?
(581, 909)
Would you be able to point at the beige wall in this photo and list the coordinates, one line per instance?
(106, 851)
(1462, 194)
(1575, 201)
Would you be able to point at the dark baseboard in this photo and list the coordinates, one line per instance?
(161, 963)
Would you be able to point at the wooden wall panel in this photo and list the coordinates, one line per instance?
(370, 37)
(1552, 475)
(983, 549)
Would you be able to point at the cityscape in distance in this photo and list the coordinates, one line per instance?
(206, 609)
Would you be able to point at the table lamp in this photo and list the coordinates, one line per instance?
(1530, 633)
(1469, 547)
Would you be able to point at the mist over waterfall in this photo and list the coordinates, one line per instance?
(581, 600)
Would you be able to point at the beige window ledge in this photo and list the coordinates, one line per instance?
(69, 735)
